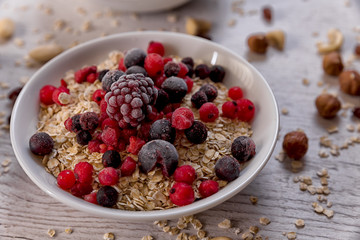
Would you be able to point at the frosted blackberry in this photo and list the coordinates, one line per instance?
(41, 144)
(107, 196)
(130, 99)
(136, 69)
(109, 78)
(210, 91)
(227, 168)
(188, 61)
(217, 73)
(171, 69)
(197, 133)
(102, 74)
(202, 71)
(198, 99)
(162, 100)
(243, 148)
(135, 56)
(75, 123)
(162, 129)
(83, 137)
(176, 88)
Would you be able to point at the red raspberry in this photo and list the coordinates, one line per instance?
(103, 106)
(46, 93)
(91, 198)
(189, 82)
(81, 189)
(182, 118)
(185, 174)
(121, 65)
(229, 109)
(246, 110)
(208, 188)
(63, 83)
(108, 122)
(122, 145)
(182, 194)
(68, 124)
(98, 96)
(81, 75)
(208, 112)
(159, 81)
(166, 60)
(91, 78)
(83, 172)
(135, 145)
(66, 179)
(110, 136)
(144, 131)
(108, 176)
(94, 146)
(127, 133)
(156, 47)
(183, 70)
(57, 92)
(235, 93)
(128, 167)
(154, 64)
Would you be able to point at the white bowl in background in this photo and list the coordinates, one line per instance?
(238, 72)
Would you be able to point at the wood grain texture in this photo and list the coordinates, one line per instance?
(26, 212)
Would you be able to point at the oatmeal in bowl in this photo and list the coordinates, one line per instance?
(150, 130)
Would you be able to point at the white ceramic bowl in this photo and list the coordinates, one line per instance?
(238, 72)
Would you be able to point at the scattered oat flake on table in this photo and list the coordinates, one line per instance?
(329, 204)
(295, 164)
(148, 237)
(332, 129)
(264, 221)
(4, 85)
(323, 154)
(299, 223)
(110, 236)
(322, 173)
(19, 42)
(237, 231)
(226, 224)
(328, 213)
(51, 232)
(247, 236)
(350, 128)
(306, 179)
(6, 169)
(231, 22)
(254, 229)
(253, 199)
(305, 82)
(302, 186)
(6, 162)
(281, 156)
(172, 18)
(311, 189)
(318, 208)
(291, 235)
(284, 111)
(201, 234)
(68, 230)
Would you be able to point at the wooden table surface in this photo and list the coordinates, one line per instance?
(26, 212)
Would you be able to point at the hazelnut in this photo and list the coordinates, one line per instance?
(327, 105)
(350, 82)
(356, 112)
(332, 64)
(258, 43)
(295, 144)
(357, 50)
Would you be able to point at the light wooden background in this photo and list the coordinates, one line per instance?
(27, 213)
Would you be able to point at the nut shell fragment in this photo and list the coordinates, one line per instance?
(45, 52)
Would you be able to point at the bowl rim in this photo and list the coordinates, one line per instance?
(141, 216)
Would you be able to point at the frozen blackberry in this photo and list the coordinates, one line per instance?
(111, 158)
(171, 69)
(75, 123)
(135, 56)
(83, 137)
(202, 71)
(14, 94)
(107, 196)
(158, 153)
(198, 99)
(217, 73)
(109, 78)
(162, 129)
(243, 148)
(89, 121)
(41, 144)
(197, 133)
(136, 69)
(190, 73)
(188, 61)
(130, 99)
(210, 91)
(102, 74)
(176, 88)
(162, 100)
(227, 168)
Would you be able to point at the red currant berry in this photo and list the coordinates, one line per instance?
(208, 188)
(91, 198)
(208, 112)
(81, 189)
(182, 118)
(46, 93)
(246, 110)
(66, 179)
(154, 64)
(98, 95)
(108, 176)
(156, 47)
(185, 174)
(229, 109)
(83, 172)
(183, 70)
(235, 93)
(190, 83)
(182, 194)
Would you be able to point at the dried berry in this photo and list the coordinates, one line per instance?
(107, 196)
(243, 148)
(197, 133)
(162, 100)
(350, 82)
(258, 43)
(295, 144)
(332, 64)
(41, 143)
(217, 73)
(134, 56)
(198, 99)
(89, 121)
(202, 71)
(162, 129)
(176, 88)
(136, 69)
(210, 91)
(111, 158)
(83, 137)
(327, 105)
